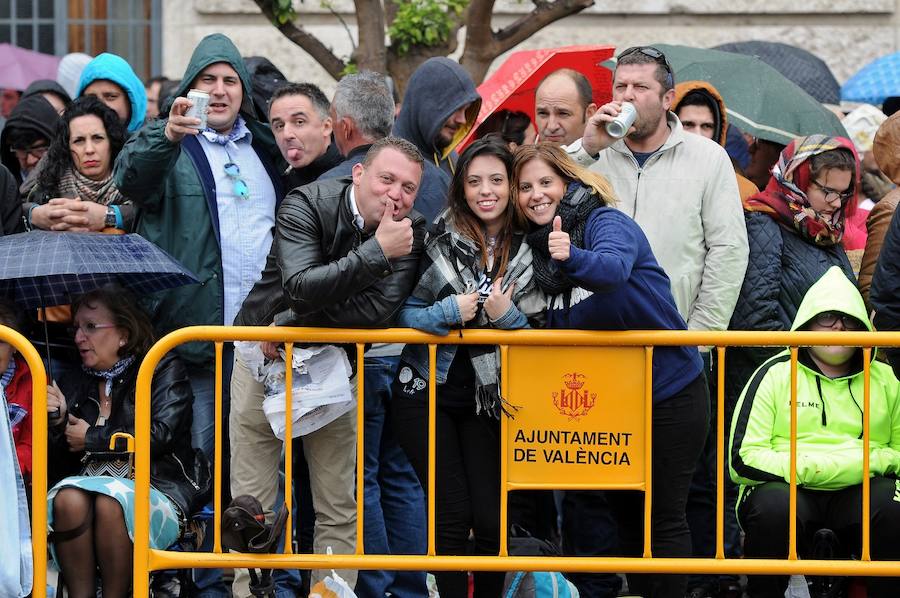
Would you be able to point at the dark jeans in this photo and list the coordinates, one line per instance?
(588, 529)
(763, 514)
(203, 384)
(679, 431)
(701, 503)
(467, 485)
(394, 502)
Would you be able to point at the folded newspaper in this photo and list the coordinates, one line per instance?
(321, 390)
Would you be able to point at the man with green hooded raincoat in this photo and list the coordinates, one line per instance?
(829, 443)
(209, 198)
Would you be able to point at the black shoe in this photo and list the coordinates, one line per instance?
(705, 590)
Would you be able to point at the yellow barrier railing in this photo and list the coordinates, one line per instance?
(147, 559)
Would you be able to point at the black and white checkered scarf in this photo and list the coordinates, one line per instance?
(451, 265)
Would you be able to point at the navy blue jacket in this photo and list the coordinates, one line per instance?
(622, 287)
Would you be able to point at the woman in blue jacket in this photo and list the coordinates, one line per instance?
(476, 273)
(599, 273)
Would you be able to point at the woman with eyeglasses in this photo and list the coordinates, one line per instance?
(91, 512)
(794, 229)
(830, 391)
(75, 190)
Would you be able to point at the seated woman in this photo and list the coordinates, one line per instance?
(91, 517)
(476, 273)
(75, 190)
(829, 442)
(597, 267)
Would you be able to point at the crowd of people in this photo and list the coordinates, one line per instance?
(368, 211)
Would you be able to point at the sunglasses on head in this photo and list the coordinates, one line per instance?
(653, 53)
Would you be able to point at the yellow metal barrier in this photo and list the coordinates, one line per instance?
(554, 346)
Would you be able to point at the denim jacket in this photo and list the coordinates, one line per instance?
(443, 315)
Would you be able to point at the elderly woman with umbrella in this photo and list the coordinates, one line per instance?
(75, 190)
(112, 335)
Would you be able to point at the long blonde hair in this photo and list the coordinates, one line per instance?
(565, 167)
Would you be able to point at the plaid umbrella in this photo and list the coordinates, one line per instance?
(44, 268)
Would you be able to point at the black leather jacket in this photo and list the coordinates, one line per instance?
(173, 465)
(324, 271)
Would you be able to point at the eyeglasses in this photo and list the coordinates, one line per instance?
(656, 55)
(827, 319)
(240, 186)
(38, 152)
(832, 194)
(88, 328)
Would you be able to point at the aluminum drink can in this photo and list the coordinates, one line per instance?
(200, 100)
(618, 127)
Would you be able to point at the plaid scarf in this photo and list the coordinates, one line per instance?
(74, 184)
(112, 373)
(451, 265)
(784, 198)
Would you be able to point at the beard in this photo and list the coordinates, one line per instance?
(646, 125)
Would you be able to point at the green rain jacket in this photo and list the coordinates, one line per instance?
(829, 411)
(173, 187)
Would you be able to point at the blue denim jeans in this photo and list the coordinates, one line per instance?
(394, 505)
(209, 582)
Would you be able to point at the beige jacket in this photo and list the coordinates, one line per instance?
(685, 198)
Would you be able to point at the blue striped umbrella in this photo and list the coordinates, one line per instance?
(44, 268)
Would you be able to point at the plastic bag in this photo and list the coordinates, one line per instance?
(333, 586)
(321, 389)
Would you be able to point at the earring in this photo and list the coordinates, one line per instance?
(121, 343)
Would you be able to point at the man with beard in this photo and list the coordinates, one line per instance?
(681, 189)
(563, 102)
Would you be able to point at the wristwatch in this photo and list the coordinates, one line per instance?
(110, 221)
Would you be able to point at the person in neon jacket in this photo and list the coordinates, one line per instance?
(829, 442)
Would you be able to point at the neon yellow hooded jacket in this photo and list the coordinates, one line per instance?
(829, 411)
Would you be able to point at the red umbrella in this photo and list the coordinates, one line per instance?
(19, 67)
(512, 86)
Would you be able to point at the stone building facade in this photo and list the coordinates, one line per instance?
(845, 33)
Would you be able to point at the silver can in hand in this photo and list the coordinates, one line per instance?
(618, 127)
(200, 100)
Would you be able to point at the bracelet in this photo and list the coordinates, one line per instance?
(120, 222)
(28, 223)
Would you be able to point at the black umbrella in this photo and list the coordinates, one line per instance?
(805, 69)
(41, 269)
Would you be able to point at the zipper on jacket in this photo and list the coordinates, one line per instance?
(822, 397)
(187, 477)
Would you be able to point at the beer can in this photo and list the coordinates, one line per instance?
(200, 100)
(618, 127)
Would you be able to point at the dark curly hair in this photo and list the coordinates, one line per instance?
(59, 158)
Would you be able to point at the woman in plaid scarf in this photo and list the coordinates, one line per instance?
(476, 273)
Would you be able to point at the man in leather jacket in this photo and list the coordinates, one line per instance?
(345, 254)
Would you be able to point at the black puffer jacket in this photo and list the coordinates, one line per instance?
(173, 465)
(324, 271)
(781, 269)
(884, 293)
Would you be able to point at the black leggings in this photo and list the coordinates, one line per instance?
(763, 515)
(467, 485)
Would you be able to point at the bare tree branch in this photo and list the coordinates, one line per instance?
(543, 14)
(327, 4)
(309, 43)
(371, 53)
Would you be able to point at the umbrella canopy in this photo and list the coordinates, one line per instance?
(45, 268)
(875, 82)
(19, 67)
(804, 68)
(512, 86)
(759, 100)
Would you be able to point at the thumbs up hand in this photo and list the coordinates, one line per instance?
(559, 243)
(395, 238)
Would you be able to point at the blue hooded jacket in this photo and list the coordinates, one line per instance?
(114, 68)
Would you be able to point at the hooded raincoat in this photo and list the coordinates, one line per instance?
(829, 410)
(114, 68)
(173, 186)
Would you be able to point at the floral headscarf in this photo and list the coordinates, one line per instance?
(784, 198)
